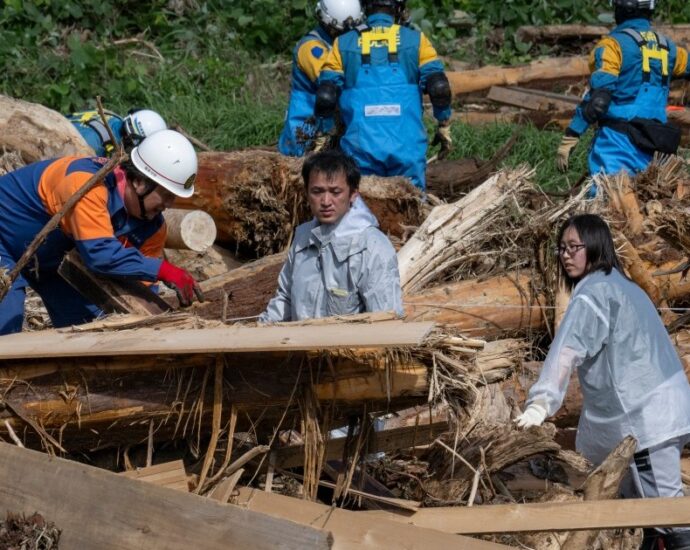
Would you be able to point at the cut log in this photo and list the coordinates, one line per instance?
(111, 295)
(38, 133)
(257, 199)
(214, 261)
(137, 515)
(189, 229)
(557, 33)
(488, 309)
(543, 70)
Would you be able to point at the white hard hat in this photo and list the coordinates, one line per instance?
(169, 159)
(339, 14)
(143, 123)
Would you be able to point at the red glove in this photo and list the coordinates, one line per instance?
(181, 282)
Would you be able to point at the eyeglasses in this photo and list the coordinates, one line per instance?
(571, 249)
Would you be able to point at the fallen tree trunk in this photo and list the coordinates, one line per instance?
(257, 199)
(38, 133)
(449, 179)
(489, 309)
(543, 70)
(566, 33)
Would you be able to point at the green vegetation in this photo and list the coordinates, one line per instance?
(220, 68)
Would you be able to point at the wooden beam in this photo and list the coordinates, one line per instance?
(532, 99)
(383, 441)
(233, 339)
(551, 516)
(111, 295)
(355, 529)
(99, 509)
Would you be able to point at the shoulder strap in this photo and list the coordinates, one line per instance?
(389, 37)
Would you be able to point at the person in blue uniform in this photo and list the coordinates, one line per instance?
(632, 69)
(335, 17)
(377, 74)
(130, 130)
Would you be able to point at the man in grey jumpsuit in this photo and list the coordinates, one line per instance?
(339, 262)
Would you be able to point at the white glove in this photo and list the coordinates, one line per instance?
(534, 415)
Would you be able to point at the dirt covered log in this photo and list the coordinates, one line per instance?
(36, 132)
(257, 199)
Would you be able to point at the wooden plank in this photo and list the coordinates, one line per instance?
(355, 529)
(383, 441)
(550, 516)
(169, 474)
(235, 339)
(528, 99)
(98, 509)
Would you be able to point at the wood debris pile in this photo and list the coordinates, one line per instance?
(366, 411)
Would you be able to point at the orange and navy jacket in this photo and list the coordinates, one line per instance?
(109, 240)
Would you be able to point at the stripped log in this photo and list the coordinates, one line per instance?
(567, 33)
(257, 199)
(189, 229)
(543, 70)
(38, 133)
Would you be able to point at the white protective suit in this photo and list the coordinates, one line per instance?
(337, 269)
(632, 380)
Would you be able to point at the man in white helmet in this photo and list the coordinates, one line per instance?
(130, 130)
(335, 17)
(117, 227)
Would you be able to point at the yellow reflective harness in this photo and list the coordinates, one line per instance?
(379, 37)
(652, 46)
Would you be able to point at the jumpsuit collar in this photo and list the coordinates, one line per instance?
(358, 218)
(323, 34)
(639, 24)
(380, 20)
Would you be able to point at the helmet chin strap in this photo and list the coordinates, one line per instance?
(149, 189)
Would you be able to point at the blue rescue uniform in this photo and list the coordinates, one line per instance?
(94, 132)
(307, 59)
(635, 64)
(382, 69)
(109, 241)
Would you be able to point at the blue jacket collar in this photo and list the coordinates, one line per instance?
(380, 20)
(636, 24)
(323, 34)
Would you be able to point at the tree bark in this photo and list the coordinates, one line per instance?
(257, 199)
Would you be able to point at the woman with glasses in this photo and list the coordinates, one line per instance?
(632, 380)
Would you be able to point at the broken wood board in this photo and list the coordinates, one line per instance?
(354, 529)
(111, 295)
(383, 441)
(99, 509)
(233, 339)
(169, 474)
(550, 516)
(535, 100)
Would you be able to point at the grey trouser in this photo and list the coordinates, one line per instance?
(655, 472)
